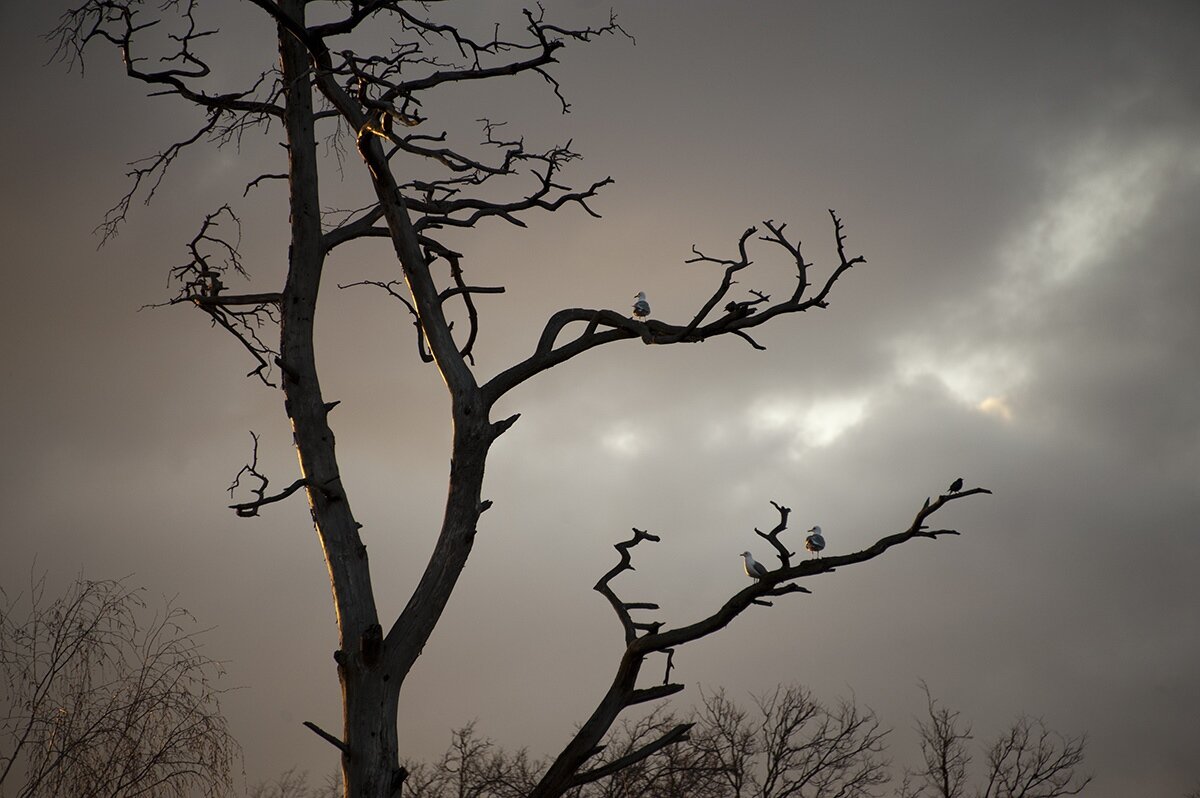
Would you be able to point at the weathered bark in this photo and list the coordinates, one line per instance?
(370, 766)
(372, 667)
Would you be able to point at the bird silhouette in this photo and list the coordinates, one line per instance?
(956, 485)
(754, 569)
(641, 308)
(815, 542)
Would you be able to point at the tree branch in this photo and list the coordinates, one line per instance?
(327, 737)
(737, 319)
(626, 564)
(675, 735)
(769, 584)
(250, 509)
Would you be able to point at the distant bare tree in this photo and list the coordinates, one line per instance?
(295, 784)
(1026, 761)
(474, 767)
(684, 769)
(1030, 761)
(793, 746)
(789, 745)
(369, 76)
(103, 698)
(943, 751)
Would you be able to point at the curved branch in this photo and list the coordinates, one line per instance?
(626, 564)
(422, 350)
(229, 114)
(738, 317)
(250, 509)
(772, 537)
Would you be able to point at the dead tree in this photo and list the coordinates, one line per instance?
(425, 188)
(793, 746)
(944, 753)
(1025, 761)
(102, 698)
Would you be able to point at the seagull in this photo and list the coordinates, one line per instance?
(814, 542)
(956, 485)
(755, 570)
(641, 308)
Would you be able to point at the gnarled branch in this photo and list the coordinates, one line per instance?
(250, 509)
(623, 692)
(606, 326)
(626, 564)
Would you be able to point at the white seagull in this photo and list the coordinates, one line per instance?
(814, 542)
(641, 308)
(755, 570)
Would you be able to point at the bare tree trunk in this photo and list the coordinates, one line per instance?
(369, 697)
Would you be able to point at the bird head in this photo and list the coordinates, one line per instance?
(745, 554)
(641, 295)
(816, 530)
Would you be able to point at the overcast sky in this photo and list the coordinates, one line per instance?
(1024, 180)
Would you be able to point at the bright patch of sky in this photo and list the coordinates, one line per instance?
(981, 378)
(813, 423)
(1100, 197)
(623, 440)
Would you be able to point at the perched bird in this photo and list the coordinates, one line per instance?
(641, 308)
(814, 542)
(956, 485)
(755, 570)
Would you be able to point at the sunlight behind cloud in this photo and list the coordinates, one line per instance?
(996, 406)
(623, 440)
(980, 379)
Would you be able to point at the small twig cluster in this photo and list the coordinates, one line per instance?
(202, 282)
(250, 470)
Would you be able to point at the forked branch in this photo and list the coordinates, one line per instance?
(772, 537)
(564, 772)
(214, 259)
(250, 470)
(175, 68)
(606, 326)
(619, 607)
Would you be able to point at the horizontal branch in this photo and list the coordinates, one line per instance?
(654, 693)
(250, 509)
(231, 300)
